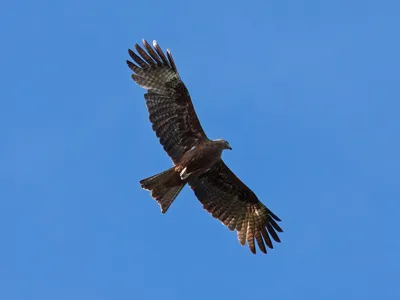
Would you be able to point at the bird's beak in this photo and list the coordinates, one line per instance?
(230, 148)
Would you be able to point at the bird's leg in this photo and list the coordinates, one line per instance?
(184, 175)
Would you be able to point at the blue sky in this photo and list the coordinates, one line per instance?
(306, 92)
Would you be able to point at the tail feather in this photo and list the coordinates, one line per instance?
(169, 197)
(164, 187)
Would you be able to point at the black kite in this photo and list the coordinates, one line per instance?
(197, 159)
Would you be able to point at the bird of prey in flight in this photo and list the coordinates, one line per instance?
(196, 158)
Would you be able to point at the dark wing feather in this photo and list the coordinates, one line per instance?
(228, 199)
(167, 99)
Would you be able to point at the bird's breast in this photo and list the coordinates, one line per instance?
(196, 161)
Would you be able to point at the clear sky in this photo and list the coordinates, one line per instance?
(307, 94)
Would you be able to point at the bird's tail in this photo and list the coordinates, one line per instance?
(164, 187)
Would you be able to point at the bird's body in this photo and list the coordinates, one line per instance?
(199, 159)
(196, 158)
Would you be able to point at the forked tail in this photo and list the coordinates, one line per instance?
(164, 187)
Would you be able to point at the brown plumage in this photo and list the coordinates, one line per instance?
(197, 159)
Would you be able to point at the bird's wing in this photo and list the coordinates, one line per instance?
(228, 199)
(168, 101)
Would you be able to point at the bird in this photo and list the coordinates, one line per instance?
(197, 160)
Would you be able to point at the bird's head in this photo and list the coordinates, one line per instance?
(224, 144)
